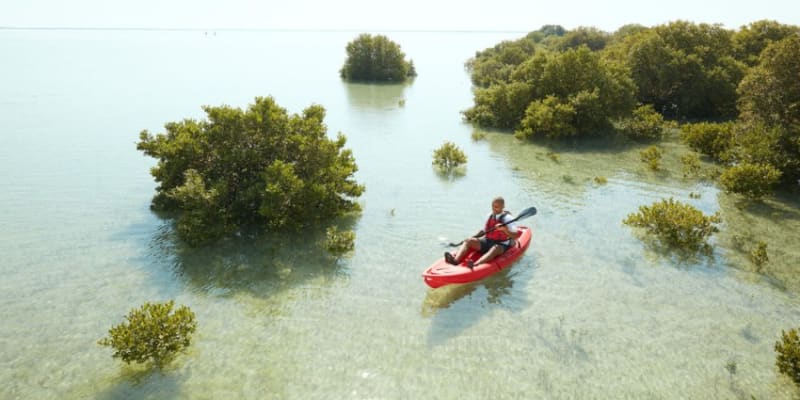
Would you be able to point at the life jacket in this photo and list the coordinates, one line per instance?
(496, 235)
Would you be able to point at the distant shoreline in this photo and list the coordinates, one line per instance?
(67, 28)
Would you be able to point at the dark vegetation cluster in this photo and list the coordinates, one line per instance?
(676, 224)
(744, 86)
(448, 156)
(153, 333)
(259, 166)
(376, 59)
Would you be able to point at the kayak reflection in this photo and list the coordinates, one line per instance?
(497, 286)
(450, 318)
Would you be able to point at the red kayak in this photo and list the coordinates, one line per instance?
(441, 273)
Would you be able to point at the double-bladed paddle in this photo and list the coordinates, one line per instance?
(528, 212)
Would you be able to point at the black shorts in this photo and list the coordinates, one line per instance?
(487, 244)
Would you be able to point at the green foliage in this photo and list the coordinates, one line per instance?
(750, 40)
(627, 30)
(757, 143)
(376, 58)
(552, 30)
(683, 69)
(676, 224)
(255, 166)
(712, 139)
(340, 242)
(580, 73)
(546, 31)
(730, 366)
(448, 156)
(645, 124)
(495, 64)
(758, 255)
(769, 92)
(547, 37)
(590, 117)
(788, 359)
(500, 106)
(199, 222)
(559, 94)
(652, 157)
(478, 135)
(770, 108)
(691, 164)
(549, 118)
(752, 180)
(590, 37)
(153, 332)
(600, 180)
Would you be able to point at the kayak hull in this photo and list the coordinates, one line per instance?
(441, 273)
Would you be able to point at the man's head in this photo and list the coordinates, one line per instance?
(498, 204)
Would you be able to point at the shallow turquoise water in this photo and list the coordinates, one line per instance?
(589, 312)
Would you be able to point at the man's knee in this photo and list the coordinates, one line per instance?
(497, 250)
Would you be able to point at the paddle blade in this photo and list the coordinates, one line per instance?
(528, 212)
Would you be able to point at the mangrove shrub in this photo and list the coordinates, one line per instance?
(683, 69)
(256, 166)
(376, 58)
(652, 157)
(501, 105)
(758, 255)
(576, 87)
(154, 332)
(690, 163)
(750, 40)
(752, 180)
(448, 156)
(590, 37)
(495, 64)
(339, 242)
(548, 117)
(769, 107)
(713, 139)
(676, 224)
(644, 124)
(788, 359)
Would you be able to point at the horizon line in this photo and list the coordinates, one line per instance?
(93, 28)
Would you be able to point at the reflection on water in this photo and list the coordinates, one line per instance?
(138, 382)
(255, 262)
(660, 253)
(443, 297)
(452, 174)
(497, 286)
(377, 96)
(449, 321)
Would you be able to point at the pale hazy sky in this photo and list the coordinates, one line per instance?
(375, 15)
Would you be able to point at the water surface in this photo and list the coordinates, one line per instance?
(591, 310)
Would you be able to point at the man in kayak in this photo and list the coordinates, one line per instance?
(497, 236)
